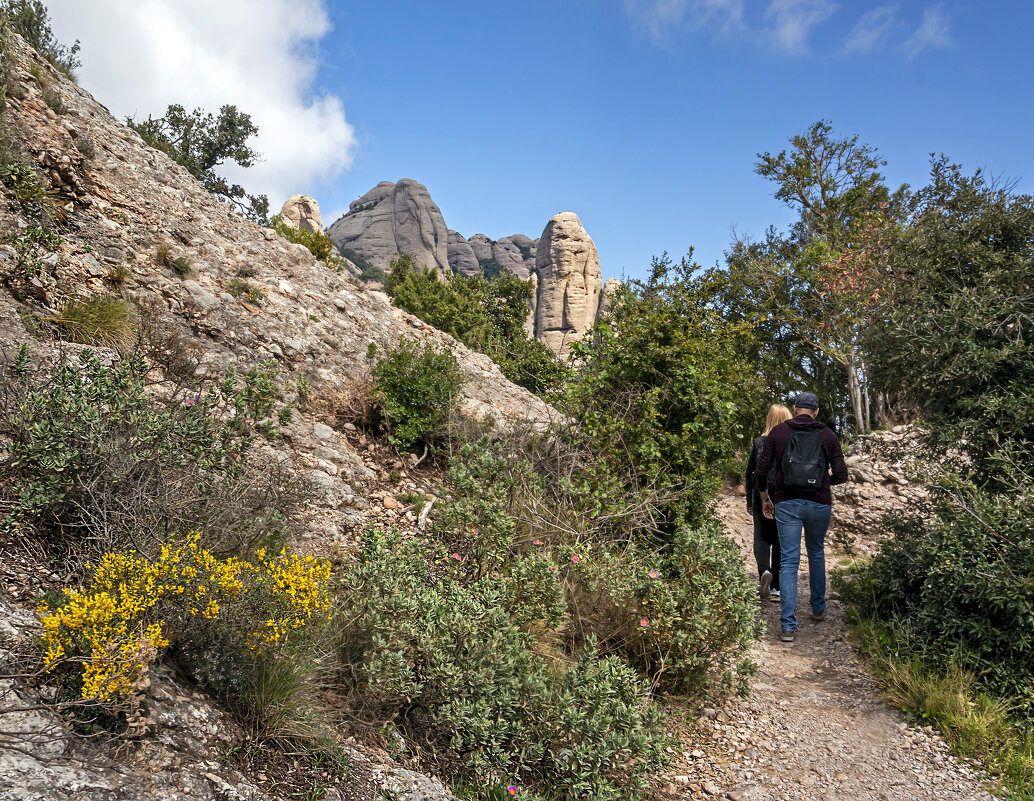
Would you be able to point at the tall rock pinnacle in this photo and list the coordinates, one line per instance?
(570, 282)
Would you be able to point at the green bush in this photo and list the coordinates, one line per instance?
(417, 388)
(319, 244)
(104, 320)
(951, 330)
(475, 524)
(242, 290)
(444, 663)
(683, 614)
(959, 575)
(657, 394)
(93, 457)
(485, 315)
(30, 245)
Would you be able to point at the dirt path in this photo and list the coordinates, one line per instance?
(814, 727)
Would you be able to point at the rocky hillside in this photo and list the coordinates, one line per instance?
(249, 296)
(562, 264)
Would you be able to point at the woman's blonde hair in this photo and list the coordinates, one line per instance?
(777, 413)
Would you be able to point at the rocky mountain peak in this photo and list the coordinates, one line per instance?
(401, 217)
(394, 218)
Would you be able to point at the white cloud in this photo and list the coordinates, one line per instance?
(871, 30)
(660, 16)
(260, 55)
(933, 31)
(792, 21)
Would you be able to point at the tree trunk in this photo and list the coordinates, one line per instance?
(854, 391)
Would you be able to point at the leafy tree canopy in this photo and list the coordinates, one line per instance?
(201, 142)
(954, 323)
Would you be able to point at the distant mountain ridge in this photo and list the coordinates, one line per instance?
(565, 271)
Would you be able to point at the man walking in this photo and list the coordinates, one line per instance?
(801, 451)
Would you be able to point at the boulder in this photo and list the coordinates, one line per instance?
(394, 218)
(302, 212)
(570, 283)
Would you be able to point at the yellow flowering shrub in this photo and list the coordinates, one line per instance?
(116, 627)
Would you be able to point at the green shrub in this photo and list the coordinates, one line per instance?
(683, 614)
(958, 575)
(486, 315)
(181, 266)
(657, 395)
(475, 524)
(104, 320)
(30, 245)
(417, 388)
(93, 457)
(443, 662)
(319, 244)
(29, 190)
(950, 331)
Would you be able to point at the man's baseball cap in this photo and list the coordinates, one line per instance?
(806, 400)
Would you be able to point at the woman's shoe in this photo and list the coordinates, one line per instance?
(766, 584)
(774, 596)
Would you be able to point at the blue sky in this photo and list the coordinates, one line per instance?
(643, 116)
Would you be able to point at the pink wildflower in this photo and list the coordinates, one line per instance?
(644, 622)
(457, 557)
(654, 574)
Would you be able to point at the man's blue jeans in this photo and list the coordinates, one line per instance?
(791, 517)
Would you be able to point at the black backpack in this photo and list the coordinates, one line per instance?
(804, 461)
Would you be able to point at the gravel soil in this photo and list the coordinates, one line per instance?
(814, 725)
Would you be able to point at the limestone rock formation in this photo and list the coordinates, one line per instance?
(461, 255)
(570, 282)
(394, 218)
(302, 212)
(402, 217)
(482, 247)
(610, 289)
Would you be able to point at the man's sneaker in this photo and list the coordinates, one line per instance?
(818, 617)
(786, 635)
(766, 584)
(774, 596)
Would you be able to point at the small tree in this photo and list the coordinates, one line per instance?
(200, 143)
(839, 243)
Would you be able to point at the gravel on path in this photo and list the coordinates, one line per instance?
(814, 726)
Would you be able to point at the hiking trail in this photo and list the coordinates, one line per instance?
(814, 727)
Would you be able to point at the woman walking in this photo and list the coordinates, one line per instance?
(766, 533)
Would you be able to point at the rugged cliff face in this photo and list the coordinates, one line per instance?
(378, 226)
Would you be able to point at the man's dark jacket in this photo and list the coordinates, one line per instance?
(772, 459)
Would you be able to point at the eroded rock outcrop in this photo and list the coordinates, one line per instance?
(302, 212)
(461, 255)
(570, 282)
(394, 218)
